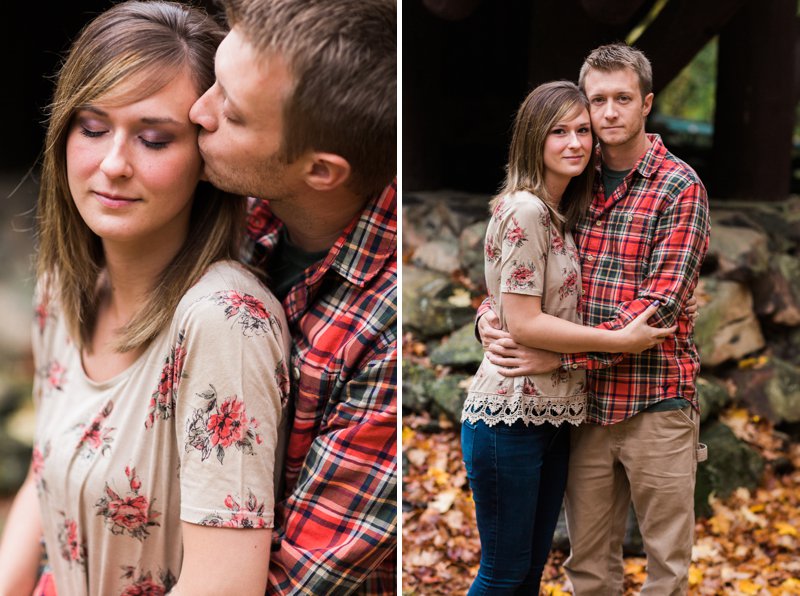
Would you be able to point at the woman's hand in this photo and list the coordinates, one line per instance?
(638, 336)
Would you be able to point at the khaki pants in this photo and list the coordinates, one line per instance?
(648, 460)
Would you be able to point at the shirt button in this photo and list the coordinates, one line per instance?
(598, 223)
(575, 366)
(296, 373)
(630, 218)
(589, 258)
(583, 292)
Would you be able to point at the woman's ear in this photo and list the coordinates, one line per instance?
(326, 171)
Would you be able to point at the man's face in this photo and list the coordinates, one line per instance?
(241, 119)
(616, 106)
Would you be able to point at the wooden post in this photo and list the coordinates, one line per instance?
(755, 110)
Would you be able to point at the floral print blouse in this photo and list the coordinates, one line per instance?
(191, 432)
(526, 254)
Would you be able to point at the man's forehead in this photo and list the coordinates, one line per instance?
(621, 79)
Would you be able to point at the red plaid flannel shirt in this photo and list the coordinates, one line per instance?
(336, 528)
(645, 242)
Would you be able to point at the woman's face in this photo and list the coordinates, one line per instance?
(568, 146)
(133, 167)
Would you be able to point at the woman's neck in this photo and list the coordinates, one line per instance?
(131, 274)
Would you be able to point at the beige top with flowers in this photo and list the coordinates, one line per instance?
(189, 432)
(526, 254)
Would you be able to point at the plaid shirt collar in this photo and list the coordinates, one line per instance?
(647, 165)
(358, 254)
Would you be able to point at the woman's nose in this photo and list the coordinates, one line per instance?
(116, 163)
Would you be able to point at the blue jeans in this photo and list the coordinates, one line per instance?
(517, 474)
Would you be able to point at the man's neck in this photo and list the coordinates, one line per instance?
(623, 157)
(315, 220)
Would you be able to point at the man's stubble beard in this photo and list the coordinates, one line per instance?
(263, 181)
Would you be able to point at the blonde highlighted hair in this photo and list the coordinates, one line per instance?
(134, 41)
(546, 105)
(619, 56)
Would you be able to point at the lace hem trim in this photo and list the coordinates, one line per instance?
(532, 409)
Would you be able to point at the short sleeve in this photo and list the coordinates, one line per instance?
(230, 363)
(524, 238)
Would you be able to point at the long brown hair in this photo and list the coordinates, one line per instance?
(540, 111)
(133, 41)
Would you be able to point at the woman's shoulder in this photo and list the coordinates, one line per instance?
(523, 202)
(231, 285)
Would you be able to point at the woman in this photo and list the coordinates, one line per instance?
(514, 442)
(160, 378)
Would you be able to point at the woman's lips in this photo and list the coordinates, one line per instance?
(114, 201)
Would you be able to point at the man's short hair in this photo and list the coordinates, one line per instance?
(618, 56)
(343, 58)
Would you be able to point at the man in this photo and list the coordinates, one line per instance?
(643, 240)
(303, 116)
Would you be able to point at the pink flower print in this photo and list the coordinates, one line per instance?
(515, 236)
(72, 548)
(528, 388)
(246, 514)
(573, 255)
(41, 314)
(559, 376)
(217, 427)
(248, 311)
(162, 400)
(133, 478)
(569, 285)
(96, 436)
(145, 585)
(499, 208)
(557, 243)
(521, 276)
(56, 375)
(38, 456)
(544, 219)
(227, 426)
(492, 252)
(130, 514)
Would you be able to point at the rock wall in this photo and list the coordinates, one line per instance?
(747, 332)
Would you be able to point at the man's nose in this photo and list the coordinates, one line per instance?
(610, 110)
(201, 112)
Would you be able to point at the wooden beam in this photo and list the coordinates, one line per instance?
(612, 12)
(755, 112)
(681, 30)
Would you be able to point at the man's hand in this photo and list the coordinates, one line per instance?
(691, 308)
(512, 359)
(490, 329)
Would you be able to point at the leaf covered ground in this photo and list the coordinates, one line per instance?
(750, 545)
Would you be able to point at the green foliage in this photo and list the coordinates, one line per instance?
(691, 95)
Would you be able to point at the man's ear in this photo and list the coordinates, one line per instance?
(647, 104)
(326, 171)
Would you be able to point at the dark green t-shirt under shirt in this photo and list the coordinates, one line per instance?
(612, 179)
(288, 264)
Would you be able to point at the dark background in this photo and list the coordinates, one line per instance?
(467, 65)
